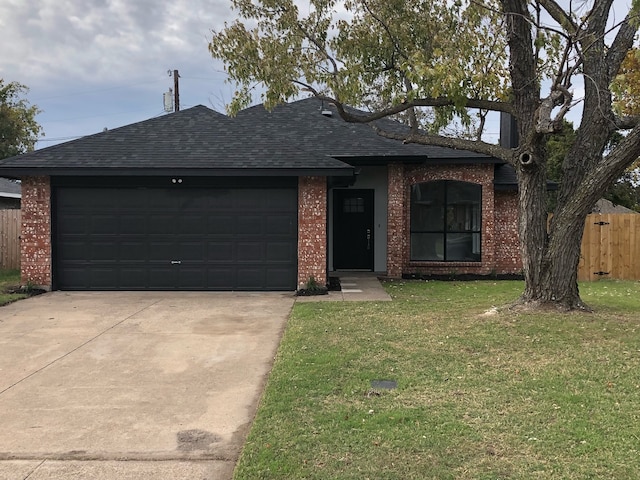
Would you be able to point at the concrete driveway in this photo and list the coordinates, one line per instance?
(131, 385)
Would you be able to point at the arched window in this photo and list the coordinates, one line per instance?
(446, 221)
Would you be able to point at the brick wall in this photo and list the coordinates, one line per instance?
(396, 215)
(398, 258)
(312, 230)
(508, 259)
(35, 243)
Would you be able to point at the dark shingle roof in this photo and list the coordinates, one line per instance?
(303, 123)
(197, 139)
(293, 139)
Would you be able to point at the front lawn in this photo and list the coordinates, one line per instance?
(479, 395)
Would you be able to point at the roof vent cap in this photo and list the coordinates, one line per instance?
(326, 112)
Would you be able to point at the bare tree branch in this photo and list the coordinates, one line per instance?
(560, 16)
(559, 97)
(492, 105)
(421, 138)
(319, 46)
(627, 122)
(622, 43)
(413, 121)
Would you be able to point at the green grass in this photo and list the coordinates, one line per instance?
(498, 396)
(9, 278)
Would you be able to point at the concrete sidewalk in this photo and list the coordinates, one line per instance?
(149, 385)
(356, 287)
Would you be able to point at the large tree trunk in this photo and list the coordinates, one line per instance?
(550, 261)
(559, 282)
(551, 255)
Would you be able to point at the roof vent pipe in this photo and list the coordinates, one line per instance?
(325, 111)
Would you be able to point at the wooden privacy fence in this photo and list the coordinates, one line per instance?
(10, 238)
(610, 247)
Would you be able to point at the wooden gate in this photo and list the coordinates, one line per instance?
(610, 247)
(10, 239)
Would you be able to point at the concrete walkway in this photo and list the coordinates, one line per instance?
(356, 287)
(132, 386)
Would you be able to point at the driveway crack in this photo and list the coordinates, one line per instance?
(79, 346)
(34, 470)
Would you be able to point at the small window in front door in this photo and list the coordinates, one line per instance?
(353, 205)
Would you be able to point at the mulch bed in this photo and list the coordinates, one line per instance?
(24, 290)
(466, 277)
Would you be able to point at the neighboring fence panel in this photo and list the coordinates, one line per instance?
(10, 238)
(610, 247)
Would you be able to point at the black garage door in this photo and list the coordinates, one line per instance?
(175, 238)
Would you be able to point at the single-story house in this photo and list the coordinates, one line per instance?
(10, 194)
(197, 200)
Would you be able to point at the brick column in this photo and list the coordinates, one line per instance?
(35, 237)
(396, 234)
(508, 259)
(312, 230)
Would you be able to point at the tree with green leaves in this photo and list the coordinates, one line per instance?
(459, 59)
(625, 191)
(19, 130)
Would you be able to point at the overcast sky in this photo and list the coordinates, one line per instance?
(95, 64)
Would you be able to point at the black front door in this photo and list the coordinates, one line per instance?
(353, 229)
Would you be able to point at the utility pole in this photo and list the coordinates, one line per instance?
(176, 92)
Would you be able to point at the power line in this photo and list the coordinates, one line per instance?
(91, 92)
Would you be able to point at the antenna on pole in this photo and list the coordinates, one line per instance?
(167, 98)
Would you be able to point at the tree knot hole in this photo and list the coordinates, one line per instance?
(526, 159)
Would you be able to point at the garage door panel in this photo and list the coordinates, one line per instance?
(73, 250)
(161, 200)
(105, 252)
(160, 223)
(72, 223)
(221, 225)
(104, 277)
(279, 252)
(192, 251)
(220, 251)
(74, 277)
(192, 278)
(221, 278)
(162, 251)
(162, 277)
(133, 224)
(133, 278)
(133, 251)
(193, 224)
(250, 225)
(249, 252)
(168, 239)
(281, 200)
(278, 278)
(278, 224)
(219, 199)
(251, 278)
